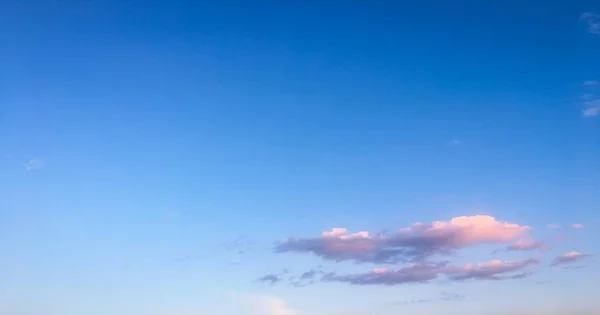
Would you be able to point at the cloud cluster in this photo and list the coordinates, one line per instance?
(416, 242)
(420, 246)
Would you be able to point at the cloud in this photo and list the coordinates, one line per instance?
(443, 297)
(592, 21)
(306, 278)
(590, 83)
(528, 245)
(454, 142)
(577, 226)
(417, 273)
(592, 108)
(568, 258)
(273, 278)
(269, 305)
(493, 270)
(426, 272)
(587, 96)
(238, 246)
(34, 164)
(270, 278)
(414, 243)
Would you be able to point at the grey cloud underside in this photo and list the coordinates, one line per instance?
(495, 272)
(565, 260)
(412, 274)
(420, 273)
(381, 249)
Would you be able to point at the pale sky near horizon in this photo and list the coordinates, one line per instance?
(299, 157)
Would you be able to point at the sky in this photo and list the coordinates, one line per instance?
(274, 157)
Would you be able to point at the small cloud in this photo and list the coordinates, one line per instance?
(592, 20)
(528, 245)
(587, 96)
(238, 246)
(273, 278)
(269, 305)
(577, 226)
(34, 164)
(443, 297)
(553, 226)
(494, 270)
(306, 278)
(270, 279)
(187, 258)
(590, 83)
(568, 258)
(592, 108)
(454, 142)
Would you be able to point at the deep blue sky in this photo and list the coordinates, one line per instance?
(136, 132)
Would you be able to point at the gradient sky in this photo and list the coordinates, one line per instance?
(155, 157)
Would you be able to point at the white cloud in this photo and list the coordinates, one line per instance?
(269, 305)
(34, 164)
(577, 226)
(591, 111)
(593, 22)
(592, 108)
(590, 83)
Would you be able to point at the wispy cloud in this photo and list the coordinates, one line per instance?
(592, 21)
(239, 245)
(528, 245)
(426, 272)
(443, 297)
(494, 270)
(413, 243)
(577, 226)
(273, 278)
(592, 108)
(34, 164)
(269, 305)
(590, 83)
(417, 273)
(568, 258)
(270, 278)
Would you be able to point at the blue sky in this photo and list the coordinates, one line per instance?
(155, 157)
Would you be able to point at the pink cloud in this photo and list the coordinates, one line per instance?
(415, 242)
(577, 226)
(568, 258)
